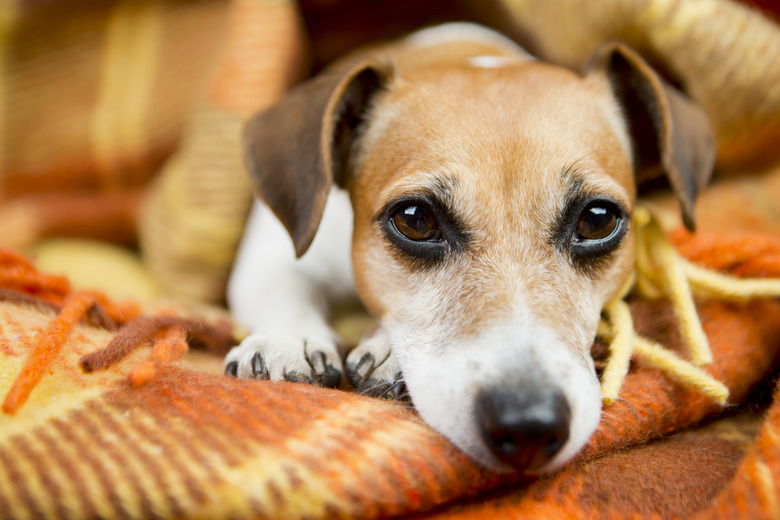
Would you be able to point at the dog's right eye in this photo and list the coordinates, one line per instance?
(420, 230)
(416, 222)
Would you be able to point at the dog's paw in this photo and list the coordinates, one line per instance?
(288, 358)
(373, 370)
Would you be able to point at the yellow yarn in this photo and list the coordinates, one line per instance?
(659, 271)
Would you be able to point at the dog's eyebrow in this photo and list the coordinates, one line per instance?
(438, 188)
(573, 180)
(571, 174)
(443, 186)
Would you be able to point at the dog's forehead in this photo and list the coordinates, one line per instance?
(509, 131)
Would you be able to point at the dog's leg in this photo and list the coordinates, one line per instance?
(373, 369)
(285, 302)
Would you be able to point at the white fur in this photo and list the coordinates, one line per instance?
(284, 301)
(444, 377)
(460, 31)
(490, 62)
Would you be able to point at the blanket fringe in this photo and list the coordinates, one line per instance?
(21, 283)
(661, 272)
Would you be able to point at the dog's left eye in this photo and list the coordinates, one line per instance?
(597, 222)
(599, 229)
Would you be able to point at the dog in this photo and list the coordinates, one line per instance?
(486, 200)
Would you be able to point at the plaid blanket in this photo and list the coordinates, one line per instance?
(121, 121)
(97, 424)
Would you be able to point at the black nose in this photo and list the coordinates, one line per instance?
(524, 428)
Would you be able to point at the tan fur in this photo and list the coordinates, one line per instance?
(507, 153)
(505, 133)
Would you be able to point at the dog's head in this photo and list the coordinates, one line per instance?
(492, 203)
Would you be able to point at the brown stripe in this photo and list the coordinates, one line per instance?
(92, 463)
(97, 430)
(296, 482)
(150, 429)
(20, 490)
(257, 509)
(277, 497)
(153, 468)
(53, 453)
(40, 464)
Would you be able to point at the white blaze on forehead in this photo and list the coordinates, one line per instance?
(490, 62)
(444, 375)
(459, 32)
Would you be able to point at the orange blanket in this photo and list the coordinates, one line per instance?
(107, 428)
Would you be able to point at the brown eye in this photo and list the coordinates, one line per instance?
(597, 222)
(417, 222)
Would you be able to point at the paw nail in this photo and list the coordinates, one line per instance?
(231, 369)
(398, 388)
(259, 370)
(365, 366)
(296, 377)
(318, 362)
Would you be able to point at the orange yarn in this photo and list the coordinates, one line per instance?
(20, 282)
(44, 349)
(134, 334)
(17, 274)
(170, 346)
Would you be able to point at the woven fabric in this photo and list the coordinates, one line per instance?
(93, 98)
(195, 212)
(722, 53)
(186, 441)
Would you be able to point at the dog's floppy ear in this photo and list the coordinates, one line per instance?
(671, 134)
(297, 149)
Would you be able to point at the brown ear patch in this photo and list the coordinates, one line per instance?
(296, 149)
(671, 134)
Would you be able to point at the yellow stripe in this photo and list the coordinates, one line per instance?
(766, 490)
(127, 76)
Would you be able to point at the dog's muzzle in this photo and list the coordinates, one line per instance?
(524, 427)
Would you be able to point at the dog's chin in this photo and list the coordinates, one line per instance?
(444, 391)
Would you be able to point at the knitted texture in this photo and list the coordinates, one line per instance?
(142, 435)
(723, 54)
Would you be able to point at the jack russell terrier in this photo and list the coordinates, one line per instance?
(487, 197)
